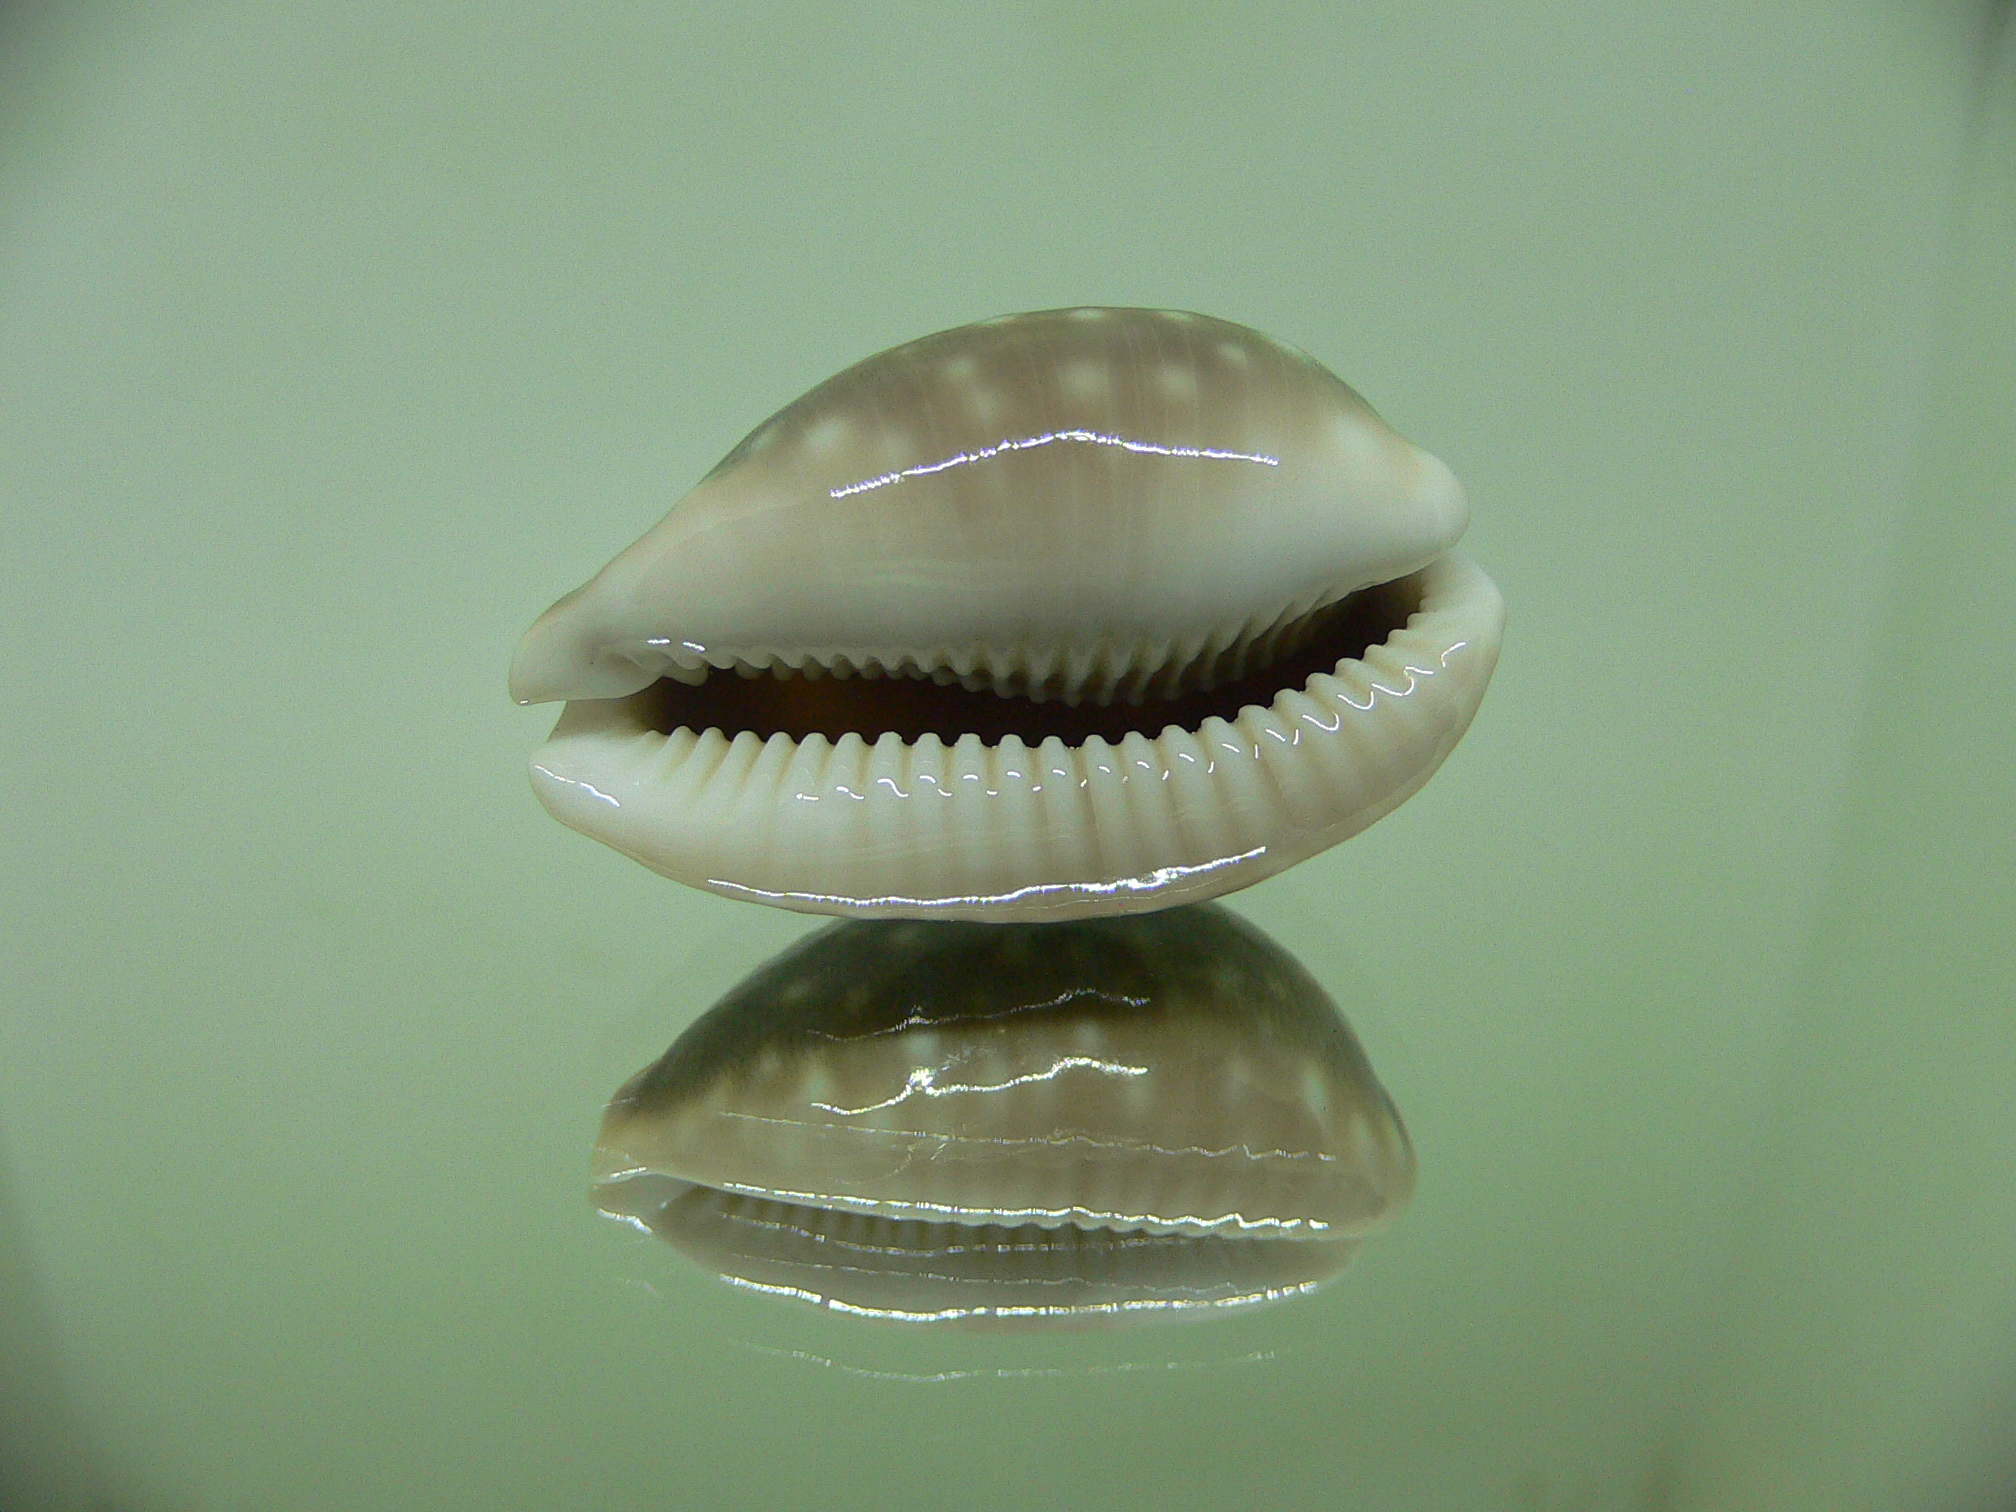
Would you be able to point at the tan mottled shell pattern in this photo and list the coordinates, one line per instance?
(1077, 612)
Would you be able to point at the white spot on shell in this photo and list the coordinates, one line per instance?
(1084, 380)
(1177, 381)
(1233, 353)
(985, 404)
(1180, 317)
(1316, 1093)
(1360, 1141)
(1088, 312)
(960, 369)
(1347, 432)
(826, 435)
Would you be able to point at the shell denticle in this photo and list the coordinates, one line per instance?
(1068, 613)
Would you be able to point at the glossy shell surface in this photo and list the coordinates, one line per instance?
(941, 565)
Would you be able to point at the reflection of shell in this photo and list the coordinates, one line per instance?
(1163, 1112)
(1081, 612)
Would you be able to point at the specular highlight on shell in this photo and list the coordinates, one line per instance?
(1070, 613)
(1153, 1116)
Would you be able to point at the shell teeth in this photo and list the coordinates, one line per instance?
(655, 658)
(1099, 672)
(1042, 674)
(1040, 831)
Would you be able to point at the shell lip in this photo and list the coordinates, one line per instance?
(1041, 830)
(993, 1276)
(1063, 899)
(582, 649)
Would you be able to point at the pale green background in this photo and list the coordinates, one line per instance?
(337, 339)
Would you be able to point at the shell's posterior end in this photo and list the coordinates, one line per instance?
(542, 668)
(566, 655)
(1441, 495)
(530, 685)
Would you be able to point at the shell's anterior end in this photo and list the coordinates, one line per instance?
(960, 1121)
(1109, 530)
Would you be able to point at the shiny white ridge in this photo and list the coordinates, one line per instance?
(1029, 443)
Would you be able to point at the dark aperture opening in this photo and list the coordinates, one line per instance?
(913, 707)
